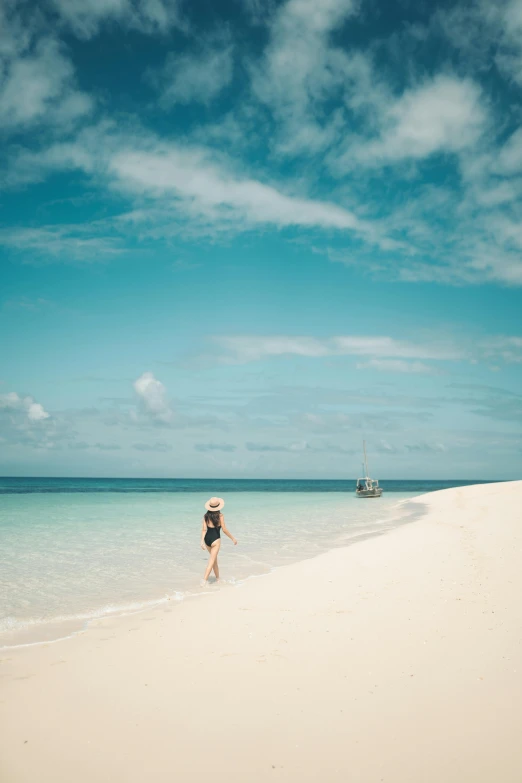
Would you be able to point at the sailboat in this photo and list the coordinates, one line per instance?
(367, 487)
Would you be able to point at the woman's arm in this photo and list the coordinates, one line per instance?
(203, 533)
(226, 531)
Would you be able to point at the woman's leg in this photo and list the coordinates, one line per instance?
(214, 549)
(216, 569)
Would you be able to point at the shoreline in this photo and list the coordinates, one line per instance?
(81, 623)
(395, 660)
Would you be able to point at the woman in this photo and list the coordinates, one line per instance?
(213, 524)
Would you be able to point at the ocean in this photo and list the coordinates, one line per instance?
(72, 550)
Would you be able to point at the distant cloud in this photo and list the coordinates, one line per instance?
(398, 365)
(79, 445)
(107, 446)
(292, 447)
(500, 408)
(507, 348)
(386, 447)
(153, 398)
(254, 348)
(29, 304)
(159, 446)
(299, 447)
(227, 447)
(25, 422)
(385, 354)
(34, 411)
(425, 447)
(61, 243)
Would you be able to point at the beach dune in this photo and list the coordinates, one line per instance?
(396, 659)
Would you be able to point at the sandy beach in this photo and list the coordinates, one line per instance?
(396, 659)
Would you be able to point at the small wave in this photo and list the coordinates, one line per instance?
(13, 624)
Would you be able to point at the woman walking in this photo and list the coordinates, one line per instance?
(213, 524)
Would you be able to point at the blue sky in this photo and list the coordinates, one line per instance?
(239, 237)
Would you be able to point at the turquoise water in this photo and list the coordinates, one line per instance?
(70, 554)
(12, 485)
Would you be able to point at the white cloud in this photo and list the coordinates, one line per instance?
(497, 194)
(204, 447)
(153, 397)
(62, 243)
(10, 401)
(38, 86)
(254, 348)
(160, 446)
(249, 349)
(320, 92)
(509, 158)
(35, 305)
(209, 190)
(506, 230)
(198, 76)
(398, 366)
(86, 152)
(174, 182)
(425, 447)
(475, 263)
(388, 346)
(300, 72)
(36, 412)
(85, 17)
(508, 348)
(485, 34)
(15, 34)
(297, 447)
(494, 245)
(259, 11)
(509, 20)
(444, 115)
(32, 410)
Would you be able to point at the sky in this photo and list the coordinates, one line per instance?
(239, 237)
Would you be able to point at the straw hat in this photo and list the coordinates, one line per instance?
(214, 504)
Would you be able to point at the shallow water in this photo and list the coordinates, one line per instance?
(67, 557)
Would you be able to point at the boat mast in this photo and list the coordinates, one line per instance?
(365, 459)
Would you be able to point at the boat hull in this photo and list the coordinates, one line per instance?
(369, 493)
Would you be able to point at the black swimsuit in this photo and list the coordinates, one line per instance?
(212, 534)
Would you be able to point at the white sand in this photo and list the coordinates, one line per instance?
(398, 659)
